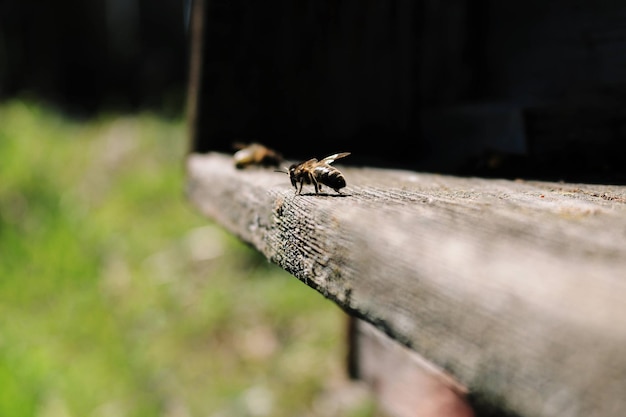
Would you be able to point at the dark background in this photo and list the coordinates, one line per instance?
(96, 55)
(528, 89)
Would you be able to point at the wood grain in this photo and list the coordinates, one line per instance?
(515, 288)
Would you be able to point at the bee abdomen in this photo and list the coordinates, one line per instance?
(330, 177)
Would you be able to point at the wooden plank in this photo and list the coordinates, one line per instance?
(515, 288)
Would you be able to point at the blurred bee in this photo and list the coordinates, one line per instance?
(255, 154)
(317, 173)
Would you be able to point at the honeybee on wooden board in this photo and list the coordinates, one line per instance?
(317, 173)
(255, 154)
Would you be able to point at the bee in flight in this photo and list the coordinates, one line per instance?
(255, 154)
(317, 173)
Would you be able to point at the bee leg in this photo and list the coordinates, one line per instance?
(300, 190)
(316, 184)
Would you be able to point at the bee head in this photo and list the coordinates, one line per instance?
(291, 171)
(292, 175)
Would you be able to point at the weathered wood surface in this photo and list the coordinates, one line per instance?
(517, 289)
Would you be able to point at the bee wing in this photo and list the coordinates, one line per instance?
(310, 162)
(330, 159)
(243, 157)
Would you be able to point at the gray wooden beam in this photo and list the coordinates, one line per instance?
(515, 288)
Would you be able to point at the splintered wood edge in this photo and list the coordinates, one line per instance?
(515, 288)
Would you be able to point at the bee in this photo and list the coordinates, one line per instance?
(317, 173)
(255, 154)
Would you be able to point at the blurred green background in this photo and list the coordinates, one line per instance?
(118, 299)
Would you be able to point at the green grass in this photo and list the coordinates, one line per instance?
(118, 299)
